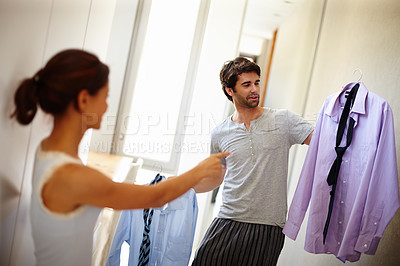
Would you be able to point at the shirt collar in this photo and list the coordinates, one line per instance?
(179, 203)
(333, 108)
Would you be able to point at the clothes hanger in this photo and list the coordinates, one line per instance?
(358, 81)
(356, 85)
(361, 74)
(157, 167)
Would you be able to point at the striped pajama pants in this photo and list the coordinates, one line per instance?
(229, 243)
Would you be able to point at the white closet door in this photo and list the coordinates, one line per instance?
(23, 27)
(32, 32)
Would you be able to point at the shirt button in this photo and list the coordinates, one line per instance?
(341, 202)
(338, 243)
(340, 222)
(346, 161)
(375, 223)
(365, 245)
(155, 247)
(344, 181)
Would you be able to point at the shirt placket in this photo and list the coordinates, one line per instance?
(342, 200)
(251, 144)
(158, 239)
(342, 185)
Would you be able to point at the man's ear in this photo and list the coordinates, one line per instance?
(229, 91)
(82, 100)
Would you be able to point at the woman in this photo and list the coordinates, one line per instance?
(67, 196)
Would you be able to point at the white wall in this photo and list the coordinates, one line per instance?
(293, 58)
(354, 34)
(31, 32)
(15, 139)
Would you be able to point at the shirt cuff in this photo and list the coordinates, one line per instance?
(366, 245)
(291, 230)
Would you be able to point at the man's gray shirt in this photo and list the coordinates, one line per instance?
(255, 184)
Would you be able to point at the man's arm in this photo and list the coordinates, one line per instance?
(208, 184)
(308, 139)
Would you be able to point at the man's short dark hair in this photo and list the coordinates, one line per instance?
(232, 69)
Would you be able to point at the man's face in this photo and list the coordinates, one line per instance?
(247, 90)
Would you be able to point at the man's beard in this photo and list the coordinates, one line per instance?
(249, 104)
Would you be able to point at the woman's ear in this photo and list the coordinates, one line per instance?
(82, 100)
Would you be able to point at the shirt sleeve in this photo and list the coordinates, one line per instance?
(195, 213)
(194, 222)
(382, 199)
(303, 191)
(299, 128)
(214, 147)
(122, 233)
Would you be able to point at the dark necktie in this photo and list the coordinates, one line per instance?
(147, 217)
(334, 172)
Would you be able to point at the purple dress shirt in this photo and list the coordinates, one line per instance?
(367, 192)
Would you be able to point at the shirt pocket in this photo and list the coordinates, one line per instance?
(268, 138)
(361, 158)
(177, 252)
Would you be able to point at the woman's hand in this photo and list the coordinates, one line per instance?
(212, 170)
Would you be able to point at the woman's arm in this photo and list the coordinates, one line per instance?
(74, 185)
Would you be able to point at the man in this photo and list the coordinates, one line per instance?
(248, 229)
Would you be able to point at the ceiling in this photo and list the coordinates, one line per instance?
(264, 16)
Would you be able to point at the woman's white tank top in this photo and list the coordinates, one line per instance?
(59, 239)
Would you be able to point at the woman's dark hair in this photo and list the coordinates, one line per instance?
(56, 85)
(232, 69)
